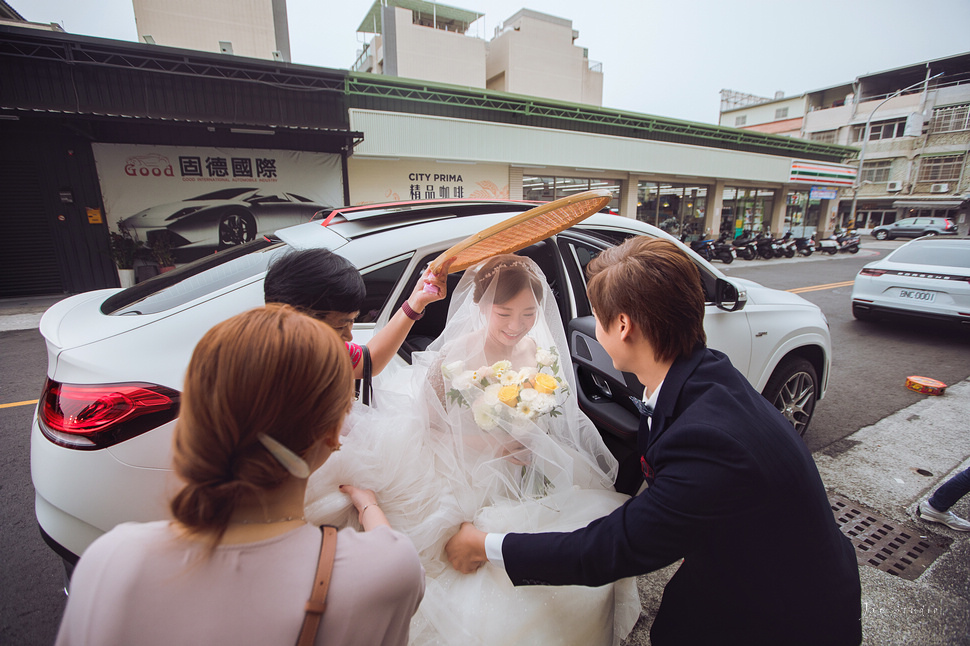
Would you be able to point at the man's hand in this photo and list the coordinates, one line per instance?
(466, 549)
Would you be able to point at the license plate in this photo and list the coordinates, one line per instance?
(913, 295)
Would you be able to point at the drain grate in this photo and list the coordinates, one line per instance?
(889, 546)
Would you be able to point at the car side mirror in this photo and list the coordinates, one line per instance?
(728, 297)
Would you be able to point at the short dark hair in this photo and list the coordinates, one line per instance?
(314, 281)
(658, 286)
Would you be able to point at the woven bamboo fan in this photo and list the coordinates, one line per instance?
(524, 229)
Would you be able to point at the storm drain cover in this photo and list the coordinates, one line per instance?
(896, 548)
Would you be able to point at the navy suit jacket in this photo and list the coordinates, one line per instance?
(734, 492)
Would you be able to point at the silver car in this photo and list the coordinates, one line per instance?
(925, 278)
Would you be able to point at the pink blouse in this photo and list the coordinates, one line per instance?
(141, 584)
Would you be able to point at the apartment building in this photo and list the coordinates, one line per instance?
(530, 53)
(253, 28)
(911, 126)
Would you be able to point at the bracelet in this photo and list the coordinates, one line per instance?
(373, 504)
(411, 314)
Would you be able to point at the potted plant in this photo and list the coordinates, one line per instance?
(161, 249)
(124, 247)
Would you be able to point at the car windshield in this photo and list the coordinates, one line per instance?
(936, 253)
(224, 194)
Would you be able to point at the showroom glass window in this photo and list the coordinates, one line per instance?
(547, 189)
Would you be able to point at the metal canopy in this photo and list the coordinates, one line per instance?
(381, 92)
(371, 24)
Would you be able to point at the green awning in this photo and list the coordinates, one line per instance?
(371, 24)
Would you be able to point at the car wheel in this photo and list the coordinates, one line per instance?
(235, 228)
(862, 313)
(793, 390)
(880, 235)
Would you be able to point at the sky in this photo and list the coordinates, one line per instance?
(667, 58)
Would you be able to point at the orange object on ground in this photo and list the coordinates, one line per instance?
(926, 385)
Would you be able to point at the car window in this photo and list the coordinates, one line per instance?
(379, 282)
(904, 223)
(224, 194)
(940, 254)
(582, 252)
(189, 282)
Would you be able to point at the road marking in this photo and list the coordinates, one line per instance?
(25, 403)
(815, 288)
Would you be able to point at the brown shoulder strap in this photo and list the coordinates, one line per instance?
(318, 597)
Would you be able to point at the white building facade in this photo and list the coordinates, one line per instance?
(912, 128)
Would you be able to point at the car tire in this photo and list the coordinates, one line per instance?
(862, 314)
(881, 235)
(236, 228)
(793, 390)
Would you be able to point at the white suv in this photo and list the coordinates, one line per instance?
(100, 443)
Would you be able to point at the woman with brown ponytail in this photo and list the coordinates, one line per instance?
(264, 397)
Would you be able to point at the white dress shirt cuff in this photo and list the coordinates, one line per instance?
(493, 549)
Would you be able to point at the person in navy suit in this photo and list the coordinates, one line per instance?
(731, 490)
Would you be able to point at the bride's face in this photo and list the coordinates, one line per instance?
(508, 322)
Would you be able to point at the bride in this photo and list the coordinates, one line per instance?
(490, 432)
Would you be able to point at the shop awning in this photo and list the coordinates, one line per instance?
(927, 203)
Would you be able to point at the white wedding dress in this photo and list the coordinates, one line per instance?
(499, 444)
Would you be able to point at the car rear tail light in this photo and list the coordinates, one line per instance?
(866, 271)
(98, 416)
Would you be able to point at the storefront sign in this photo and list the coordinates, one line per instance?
(192, 192)
(378, 180)
(810, 172)
(819, 193)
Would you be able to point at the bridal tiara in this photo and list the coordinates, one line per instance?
(512, 263)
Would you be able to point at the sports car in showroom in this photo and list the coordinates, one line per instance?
(223, 218)
(101, 436)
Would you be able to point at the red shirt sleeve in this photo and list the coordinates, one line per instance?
(356, 353)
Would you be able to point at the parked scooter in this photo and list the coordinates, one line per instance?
(744, 245)
(767, 248)
(848, 241)
(785, 246)
(804, 246)
(709, 250)
(826, 245)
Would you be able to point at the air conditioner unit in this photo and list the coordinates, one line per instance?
(939, 188)
(894, 187)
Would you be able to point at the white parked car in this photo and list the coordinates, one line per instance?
(924, 278)
(100, 443)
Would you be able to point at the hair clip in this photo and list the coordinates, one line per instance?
(293, 463)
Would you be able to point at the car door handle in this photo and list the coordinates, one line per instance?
(602, 385)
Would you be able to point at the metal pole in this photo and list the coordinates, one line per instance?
(865, 139)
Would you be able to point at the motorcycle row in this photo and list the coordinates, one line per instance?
(749, 246)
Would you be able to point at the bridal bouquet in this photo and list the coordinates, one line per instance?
(497, 392)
